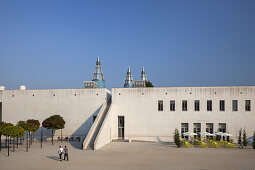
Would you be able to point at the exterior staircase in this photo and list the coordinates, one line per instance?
(88, 142)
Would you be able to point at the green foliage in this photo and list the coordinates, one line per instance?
(253, 142)
(177, 140)
(54, 122)
(26, 126)
(186, 144)
(14, 131)
(148, 84)
(34, 124)
(4, 128)
(244, 138)
(240, 137)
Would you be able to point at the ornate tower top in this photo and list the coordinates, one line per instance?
(129, 79)
(143, 75)
(98, 75)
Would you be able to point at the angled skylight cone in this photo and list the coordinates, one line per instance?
(98, 75)
(143, 75)
(129, 79)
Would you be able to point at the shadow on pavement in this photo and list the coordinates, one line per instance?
(53, 157)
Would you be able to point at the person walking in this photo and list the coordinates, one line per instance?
(60, 152)
(66, 153)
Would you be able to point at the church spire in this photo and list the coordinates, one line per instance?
(143, 75)
(98, 75)
(129, 79)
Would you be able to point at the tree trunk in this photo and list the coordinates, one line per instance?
(52, 136)
(61, 135)
(17, 141)
(41, 136)
(8, 147)
(27, 141)
(0, 142)
(13, 144)
(6, 141)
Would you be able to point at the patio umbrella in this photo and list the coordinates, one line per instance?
(204, 133)
(211, 134)
(189, 134)
(226, 134)
(219, 133)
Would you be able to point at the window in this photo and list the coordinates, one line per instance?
(160, 105)
(234, 105)
(222, 127)
(247, 105)
(184, 128)
(197, 128)
(184, 105)
(209, 105)
(209, 128)
(172, 105)
(196, 105)
(222, 105)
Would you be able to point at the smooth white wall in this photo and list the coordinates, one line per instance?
(143, 121)
(76, 106)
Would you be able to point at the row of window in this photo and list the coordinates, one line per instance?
(197, 128)
(209, 105)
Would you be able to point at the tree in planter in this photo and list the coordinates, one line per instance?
(34, 124)
(28, 128)
(253, 142)
(54, 122)
(240, 137)
(15, 132)
(1, 127)
(177, 140)
(6, 131)
(244, 138)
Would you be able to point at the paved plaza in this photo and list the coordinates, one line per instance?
(124, 155)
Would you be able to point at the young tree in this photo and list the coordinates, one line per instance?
(177, 140)
(28, 128)
(253, 142)
(244, 138)
(34, 124)
(148, 84)
(5, 131)
(240, 137)
(54, 122)
(1, 127)
(14, 132)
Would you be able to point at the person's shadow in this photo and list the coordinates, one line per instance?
(53, 157)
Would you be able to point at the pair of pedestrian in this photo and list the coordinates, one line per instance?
(61, 151)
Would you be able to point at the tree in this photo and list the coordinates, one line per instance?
(177, 140)
(15, 131)
(253, 142)
(28, 128)
(240, 136)
(34, 124)
(244, 138)
(148, 84)
(54, 122)
(1, 127)
(5, 131)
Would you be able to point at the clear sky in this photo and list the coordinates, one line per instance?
(48, 44)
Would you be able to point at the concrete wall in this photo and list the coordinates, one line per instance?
(76, 106)
(143, 121)
(104, 136)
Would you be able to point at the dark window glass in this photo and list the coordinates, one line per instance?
(184, 128)
(172, 105)
(235, 105)
(209, 105)
(222, 105)
(196, 105)
(184, 105)
(160, 105)
(247, 105)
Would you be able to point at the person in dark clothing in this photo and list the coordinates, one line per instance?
(66, 153)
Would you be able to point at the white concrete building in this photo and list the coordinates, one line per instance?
(99, 116)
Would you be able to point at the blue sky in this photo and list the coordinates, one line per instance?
(55, 43)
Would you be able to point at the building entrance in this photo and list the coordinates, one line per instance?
(121, 127)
